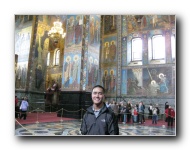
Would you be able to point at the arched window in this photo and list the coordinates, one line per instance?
(57, 57)
(136, 54)
(173, 46)
(48, 58)
(158, 47)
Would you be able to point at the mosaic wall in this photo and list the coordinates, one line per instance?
(85, 48)
(157, 81)
(93, 52)
(71, 71)
(150, 81)
(134, 23)
(74, 33)
(133, 81)
(110, 24)
(109, 79)
(109, 53)
(72, 53)
(22, 49)
(139, 80)
(40, 53)
(85, 52)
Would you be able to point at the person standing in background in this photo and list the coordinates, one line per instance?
(150, 111)
(16, 107)
(128, 107)
(155, 112)
(158, 111)
(143, 118)
(170, 114)
(24, 107)
(166, 107)
(140, 112)
(115, 108)
(134, 114)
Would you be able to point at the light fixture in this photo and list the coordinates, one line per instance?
(56, 31)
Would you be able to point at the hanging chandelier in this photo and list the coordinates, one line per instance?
(56, 31)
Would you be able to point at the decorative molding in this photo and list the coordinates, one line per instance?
(119, 55)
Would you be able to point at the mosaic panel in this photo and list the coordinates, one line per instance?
(74, 33)
(157, 81)
(22, 49)
(71, 71)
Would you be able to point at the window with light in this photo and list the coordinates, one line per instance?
(173, 46)
(57, 57)
(158, 47)
(136, 54)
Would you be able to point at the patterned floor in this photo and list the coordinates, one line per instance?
(71, 128)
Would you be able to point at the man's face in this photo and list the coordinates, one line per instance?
(97, 95)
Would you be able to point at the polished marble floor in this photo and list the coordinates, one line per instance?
(72, 128)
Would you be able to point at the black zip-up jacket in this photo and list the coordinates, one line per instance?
(105, 124)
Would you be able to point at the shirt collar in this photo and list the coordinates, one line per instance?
(98, 109)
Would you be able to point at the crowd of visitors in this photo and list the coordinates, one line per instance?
(127, 112)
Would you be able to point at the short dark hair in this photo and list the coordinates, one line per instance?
(99, 87)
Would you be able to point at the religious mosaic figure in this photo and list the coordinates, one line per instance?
(144, 22)
(95, 71)
(18, 79)
(75, 71)
(131, 86)
(70, 32)
(39, 51)
(131, 24)
(106, 81)
(78, 31)
(163, 83)
(113, 27)
(39, 76)
(106, 51)
(92, 30)
(59, 80)
(97, 33)
(112, 81)
(23, 78)
(153, 88)
(112, 51)
(90, 72)
(154, 20)
(18, 42)
(67, 71)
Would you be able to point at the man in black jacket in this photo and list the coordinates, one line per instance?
(98, 119)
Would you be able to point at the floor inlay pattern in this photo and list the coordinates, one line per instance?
(72, 128)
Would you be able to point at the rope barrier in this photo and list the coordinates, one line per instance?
(23, 127)
(145, 114)
(38, 110)
(82, 110)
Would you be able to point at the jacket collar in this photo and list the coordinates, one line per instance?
(103, 109)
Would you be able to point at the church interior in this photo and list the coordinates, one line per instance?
(59, 58)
